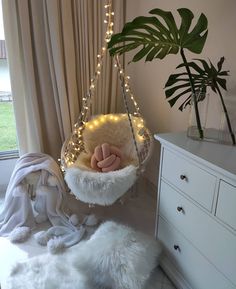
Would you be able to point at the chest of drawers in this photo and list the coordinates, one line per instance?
(196, 215)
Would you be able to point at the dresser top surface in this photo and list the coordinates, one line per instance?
(221, 156)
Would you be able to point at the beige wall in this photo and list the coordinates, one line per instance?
(148, 79)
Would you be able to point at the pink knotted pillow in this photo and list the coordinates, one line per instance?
(106, 158)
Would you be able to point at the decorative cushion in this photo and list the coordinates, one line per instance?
(106, 158)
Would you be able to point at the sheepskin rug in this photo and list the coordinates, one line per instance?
(115, 257)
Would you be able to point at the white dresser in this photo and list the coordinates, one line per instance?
(196, 216)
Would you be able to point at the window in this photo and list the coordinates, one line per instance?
(8, 139)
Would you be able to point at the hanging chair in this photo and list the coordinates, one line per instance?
(105, 153)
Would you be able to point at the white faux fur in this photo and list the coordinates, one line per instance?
(47, 272)
(118, 257)
(100, 188)
(115, 257)
(20, 234)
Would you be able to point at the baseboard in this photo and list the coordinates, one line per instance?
(173, 273)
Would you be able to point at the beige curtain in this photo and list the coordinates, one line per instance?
(52, 49)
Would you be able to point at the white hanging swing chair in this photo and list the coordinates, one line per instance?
(105, 153)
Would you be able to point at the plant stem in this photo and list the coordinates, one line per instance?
(226, 114)
(194, 94)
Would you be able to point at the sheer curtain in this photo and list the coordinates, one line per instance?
(52, 50)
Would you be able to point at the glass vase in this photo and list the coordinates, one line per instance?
(213, 119)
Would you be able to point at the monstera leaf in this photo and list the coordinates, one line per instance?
(203, 74)
(159, 35)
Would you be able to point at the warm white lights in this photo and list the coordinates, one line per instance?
(76, 145)
(125, 79)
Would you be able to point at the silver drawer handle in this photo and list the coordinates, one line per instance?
(177, 248)
(180, 209)
(183, 177)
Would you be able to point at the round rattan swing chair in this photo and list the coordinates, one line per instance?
(120, 140)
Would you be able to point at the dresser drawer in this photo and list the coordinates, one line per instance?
(197, 270)
(187, 177)
(226, 206)
(211, 238)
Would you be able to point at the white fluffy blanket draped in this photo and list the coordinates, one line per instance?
(18, 212)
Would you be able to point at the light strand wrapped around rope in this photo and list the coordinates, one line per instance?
(125, 132)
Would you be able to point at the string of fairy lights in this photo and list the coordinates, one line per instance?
(75, 145)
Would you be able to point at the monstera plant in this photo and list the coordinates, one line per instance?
(158, 36)
(204, 76)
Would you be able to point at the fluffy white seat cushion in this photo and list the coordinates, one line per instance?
(100, 188)
(115, 257)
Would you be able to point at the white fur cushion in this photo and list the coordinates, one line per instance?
(115, 257)
(100, 188)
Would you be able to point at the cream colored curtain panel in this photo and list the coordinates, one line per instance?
(52, 50)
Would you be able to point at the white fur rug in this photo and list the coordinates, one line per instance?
(116, 257)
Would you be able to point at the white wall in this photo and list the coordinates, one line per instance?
(149, 78)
